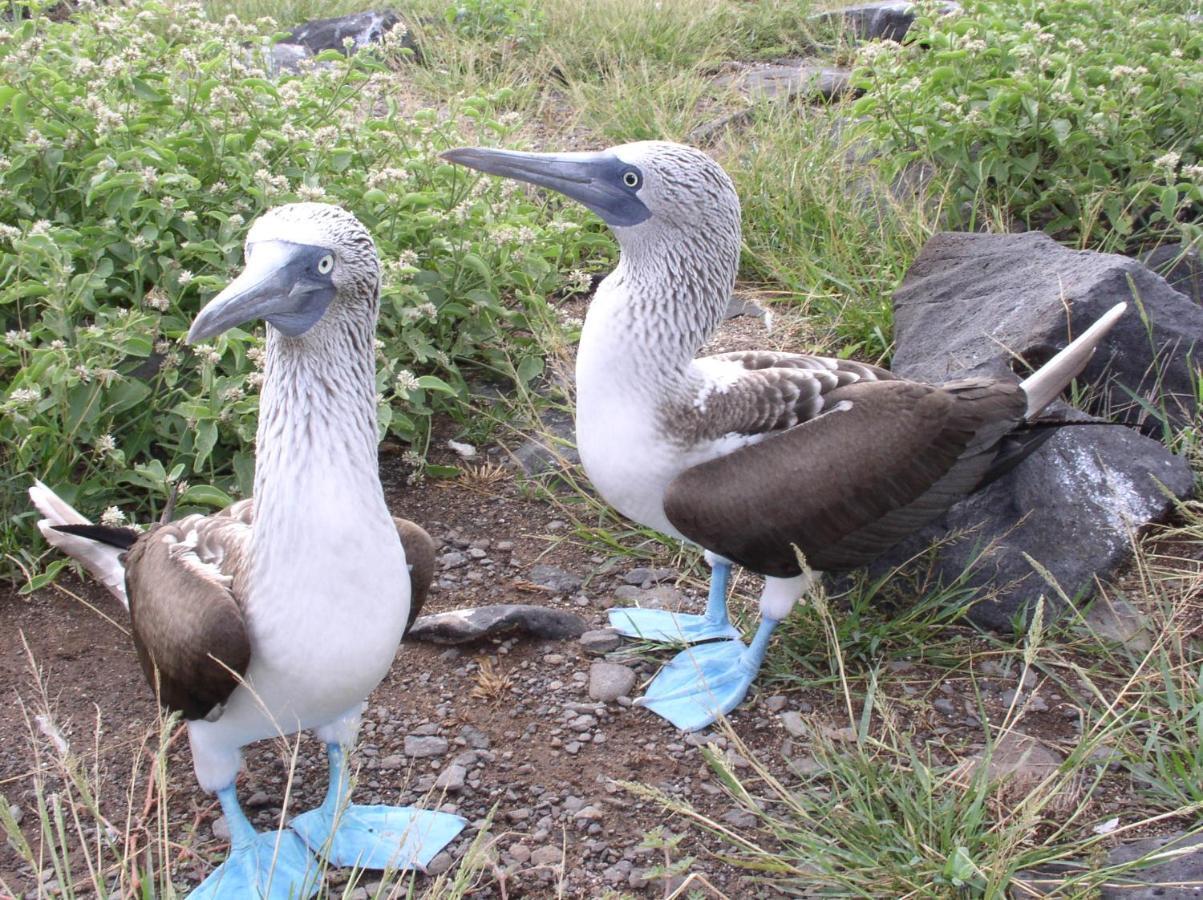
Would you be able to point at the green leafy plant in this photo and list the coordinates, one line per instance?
(138, 144)
(1085, 120)
(520, 21)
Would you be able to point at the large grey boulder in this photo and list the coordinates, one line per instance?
(986, 304)
(1075, 504)
(887, 20)
(362, 29)
(1073, 507)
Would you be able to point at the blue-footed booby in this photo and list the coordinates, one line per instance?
(283, 613)
(754, 456)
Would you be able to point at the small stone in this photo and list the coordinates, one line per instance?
(642, 575)
(257, 799)
(740, 818)
(420, 746)
(1117, 620)
(520, 852)
(221, 828)
(555, 579)
(440, 864)
(609, 681)
(775, 703)
(794, 723)
(475, 738)
(452, 559)
(1017, 758)
(944, 705)
(601, 640)
(451, 779)
(549, 855)
(393, 761)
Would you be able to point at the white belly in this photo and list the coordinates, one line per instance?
(324, 631)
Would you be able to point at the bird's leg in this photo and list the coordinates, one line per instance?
(683, 628)
(372, 837)
(702, 683)
(264, 865)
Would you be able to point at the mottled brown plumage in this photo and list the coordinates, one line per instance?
(859, 478)
(419, 556)
(186, 582)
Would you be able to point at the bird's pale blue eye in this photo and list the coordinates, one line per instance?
(630, 178)
(325, 264)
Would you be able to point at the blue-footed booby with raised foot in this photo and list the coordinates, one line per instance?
(283, 613)
(754, 456)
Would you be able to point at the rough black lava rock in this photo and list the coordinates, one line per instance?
(1073, 505)
(363, 28)
(887, 20)
(990, 304)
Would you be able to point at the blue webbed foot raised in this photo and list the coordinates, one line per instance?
(273, 865)
(373, 837)
(666, 627)
(702, 683)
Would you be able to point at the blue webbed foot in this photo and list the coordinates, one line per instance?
(373, 837)
(272, 865)
(666, 627)
(682, 628)
(702, 683)
(377, 837)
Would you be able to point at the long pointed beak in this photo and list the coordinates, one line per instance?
(594, 179)
(276, 285)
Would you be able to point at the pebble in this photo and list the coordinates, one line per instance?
(775, 703)
(794, 723)
(452, 559)
(549, 855)
(944, 705)
(420, 746)
(642, 575)
(257, 799)
(601, 640)
(555, 579)
(392, 761)
(609, 681)
(221, 828)
(451, 779)
(520, 852)
(740, 818)
(476, 738)
(440, 864)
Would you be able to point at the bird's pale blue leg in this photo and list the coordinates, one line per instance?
(683, 628)
(270, 865)
(702, 683)
(372, 837)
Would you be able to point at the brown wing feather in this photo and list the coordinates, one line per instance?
(419, 556)
(184, 580)
(856, 480)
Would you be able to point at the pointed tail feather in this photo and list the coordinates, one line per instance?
(102, 560)
(1043, 385)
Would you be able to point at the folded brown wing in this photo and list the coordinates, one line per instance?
(185, 581)
(890, 457)
(419, 556)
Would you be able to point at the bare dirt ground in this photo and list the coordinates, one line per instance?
(522, 737)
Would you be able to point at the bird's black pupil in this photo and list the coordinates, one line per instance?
(631, 179)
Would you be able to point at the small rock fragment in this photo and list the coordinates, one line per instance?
(609, 681)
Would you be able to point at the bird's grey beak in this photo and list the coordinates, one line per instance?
(594, 179)
(281, 283)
